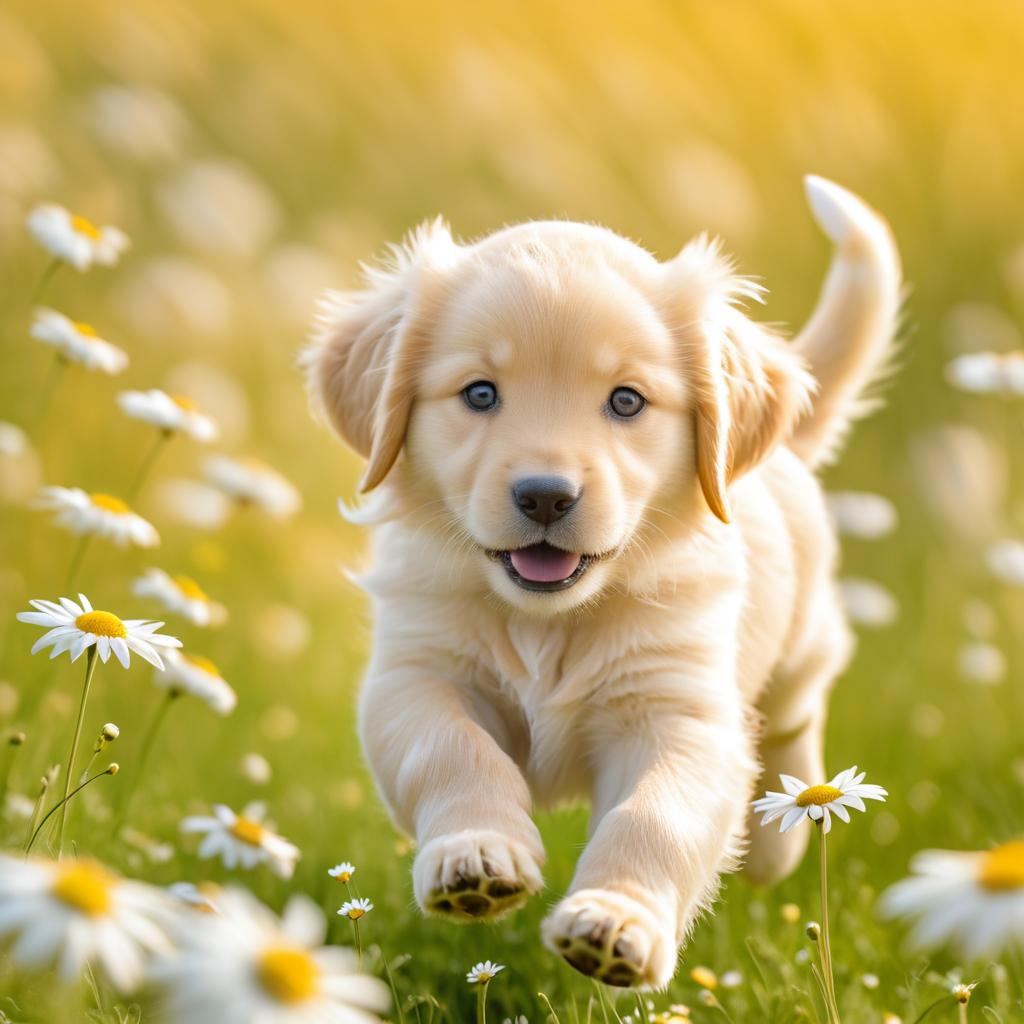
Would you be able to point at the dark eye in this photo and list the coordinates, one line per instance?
(626, 402)
(481, 395)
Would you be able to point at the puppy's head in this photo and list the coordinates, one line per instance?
(553, 397)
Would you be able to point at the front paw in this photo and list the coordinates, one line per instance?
(474, 876)
(611, 937)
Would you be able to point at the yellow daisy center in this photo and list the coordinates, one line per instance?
(355, 913)
(1003, 867)
(109, 503)
(84, 226)
(247, 831)
(484, 976)
(185, 403)
(818, 795)
(205, 665)
(289, 975)
(343, 876)
(190, 588)
(85, 329)
(85, 886)
(101, 624)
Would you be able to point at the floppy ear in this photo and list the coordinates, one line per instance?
(363, 362)
(749, 387)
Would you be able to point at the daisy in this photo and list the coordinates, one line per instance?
(243, 964)
(198, 676)
(180, 595)
(355, 909)
(343, 872)
(74, 239)
(97, 514)
(77, 342)
(818, 803)
(861, 514)
(202, 897)
(173, 414)
(988, 373)
(74, 913)
(251, 482)
(971, 900)
(76, 627)
(243, 840)
(483, 972)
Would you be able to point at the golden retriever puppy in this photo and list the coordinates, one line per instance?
(602, 566)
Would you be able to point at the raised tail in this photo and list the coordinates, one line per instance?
(848, 342)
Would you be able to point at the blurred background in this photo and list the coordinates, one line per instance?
(255, 152)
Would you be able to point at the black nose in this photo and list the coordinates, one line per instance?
(544, 498)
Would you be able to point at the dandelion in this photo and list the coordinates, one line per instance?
(244, 840)
(818, 803)
(243, 964)
(71, 238)
(343, 872)
(705, 977)
(973, 900)
(180, 595)
(252, 482)
(75, 341)
(73, 914)
(75, 628)
(481, 975)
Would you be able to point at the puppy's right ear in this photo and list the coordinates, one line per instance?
(362, 364)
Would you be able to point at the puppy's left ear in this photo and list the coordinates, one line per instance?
(749, 387)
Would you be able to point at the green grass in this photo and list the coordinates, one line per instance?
(659, 120)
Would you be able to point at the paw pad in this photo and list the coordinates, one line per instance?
(477, 898)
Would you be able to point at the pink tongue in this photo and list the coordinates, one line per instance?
(542, 563)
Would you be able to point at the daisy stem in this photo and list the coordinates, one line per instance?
(69, 768)
(825, 946)
(38, 809)
(394, 989)
(48, 387)
(51, 268)
(963, 1013)
(481, 1003)
(148, 742)
(62, 805)
(147, 463)
(359, 942)
(76, 558)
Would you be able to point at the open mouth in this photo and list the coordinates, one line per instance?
(543, 567)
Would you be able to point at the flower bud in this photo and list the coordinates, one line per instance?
(112, 769)
(813, 931)
(110, 732)
(16, 738)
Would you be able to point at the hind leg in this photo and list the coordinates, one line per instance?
(792, 741)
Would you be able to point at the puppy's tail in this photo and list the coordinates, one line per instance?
(848, 343)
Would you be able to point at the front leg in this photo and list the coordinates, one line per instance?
(447, 781)
(673, 774)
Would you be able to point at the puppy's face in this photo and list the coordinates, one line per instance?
(550, 412)
(554, 390)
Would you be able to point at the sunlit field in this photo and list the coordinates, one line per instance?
(254, 153)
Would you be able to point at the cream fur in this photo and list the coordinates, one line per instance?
(697, 652)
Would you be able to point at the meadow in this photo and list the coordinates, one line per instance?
(255, 153)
